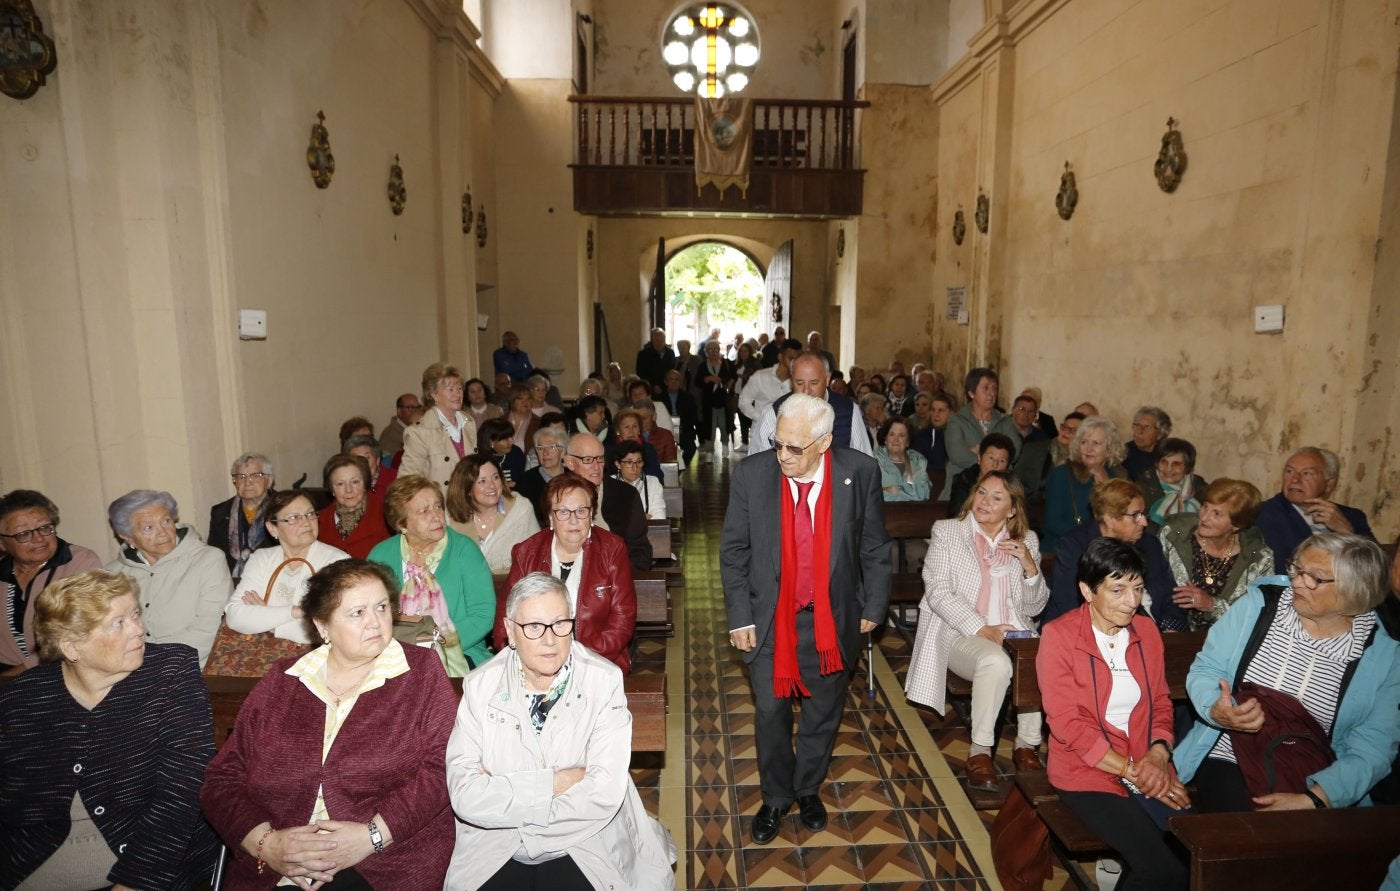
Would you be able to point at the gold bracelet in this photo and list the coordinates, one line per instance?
(263, 863)
(1127, 766)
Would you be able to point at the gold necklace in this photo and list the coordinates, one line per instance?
(1214, 567)
(348, 690)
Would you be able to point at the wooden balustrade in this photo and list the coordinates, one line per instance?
(636, 154)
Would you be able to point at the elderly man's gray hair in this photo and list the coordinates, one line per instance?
(119, 512)
(816, 413)
(536, 584)
(1332, 465)
(247, 458)
(550, 433)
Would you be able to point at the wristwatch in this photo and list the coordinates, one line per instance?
(375, 838)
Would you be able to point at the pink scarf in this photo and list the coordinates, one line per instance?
(997, 572)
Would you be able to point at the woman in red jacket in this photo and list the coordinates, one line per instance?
(591, 562)
(1103, 686)
(354, 520)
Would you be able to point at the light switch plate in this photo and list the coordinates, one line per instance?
(1268, 319)
(252, 324)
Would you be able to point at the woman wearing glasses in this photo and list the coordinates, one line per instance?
(631, 469)
(542, 794)
(1095, 456)
(592, 564)
(32, 556)
(254, 608)
(1310, 638)
(238, 527)
(1119, 512)
(441, 573)
(549, 452)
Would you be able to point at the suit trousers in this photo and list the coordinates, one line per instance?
(785, 773)
(974, 658)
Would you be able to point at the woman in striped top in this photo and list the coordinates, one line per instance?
(102, 749)
(1312, 635)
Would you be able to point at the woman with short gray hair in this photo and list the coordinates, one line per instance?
(184, 583)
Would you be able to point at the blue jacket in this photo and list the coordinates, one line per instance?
(1367, 726)
(1284, 528)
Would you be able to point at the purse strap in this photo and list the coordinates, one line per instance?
(267, 594)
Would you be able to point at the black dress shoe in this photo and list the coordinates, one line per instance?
(813, 812)
(766, 823)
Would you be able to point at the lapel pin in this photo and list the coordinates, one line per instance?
(847, 481)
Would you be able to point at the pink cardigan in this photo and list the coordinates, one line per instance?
(1074, 688)
(390, 757)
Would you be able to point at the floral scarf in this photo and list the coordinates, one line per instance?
(540, 704)
(347, 518)
(1177, 499)
(422, 596)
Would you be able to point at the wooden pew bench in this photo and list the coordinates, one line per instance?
(653, 605)
(1069, 837)
(907, 521)
(1342, 848)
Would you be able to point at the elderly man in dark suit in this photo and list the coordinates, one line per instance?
(1304, 505)
(805, 563)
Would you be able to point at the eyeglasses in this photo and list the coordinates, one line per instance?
(24, 535)
(549, 448)
(535, 630)
(795, 451)
(1310, 580)
(244, 477)
(291, 519)
(1137, 516)
(579, 513)
(588, 459)
(632, 462)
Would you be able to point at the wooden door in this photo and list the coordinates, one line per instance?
(778, 287)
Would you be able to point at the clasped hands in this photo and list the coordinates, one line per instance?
(311, 855)
(1154, 777)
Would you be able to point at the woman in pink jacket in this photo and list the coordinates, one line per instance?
(1103, 685)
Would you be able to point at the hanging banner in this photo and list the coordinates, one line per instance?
(724, 143)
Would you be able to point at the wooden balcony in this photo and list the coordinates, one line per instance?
(636, 155)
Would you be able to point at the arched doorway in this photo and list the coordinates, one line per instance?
(712, 284)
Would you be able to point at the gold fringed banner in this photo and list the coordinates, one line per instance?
(724, 147)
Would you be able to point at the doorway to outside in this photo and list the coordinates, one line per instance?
(712, 285)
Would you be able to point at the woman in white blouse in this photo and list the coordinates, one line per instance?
(481, 506)
(631, 470)
(981, 581)
(292, 520)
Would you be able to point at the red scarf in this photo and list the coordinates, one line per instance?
(787, 678)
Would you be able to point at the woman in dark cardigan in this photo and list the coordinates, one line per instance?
(102, 749)
(336, 769)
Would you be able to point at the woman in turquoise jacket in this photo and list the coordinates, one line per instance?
(1334, 585)
(440, 572)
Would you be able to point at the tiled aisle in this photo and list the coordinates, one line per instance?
(898, 818)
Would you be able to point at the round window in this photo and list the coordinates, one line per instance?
(710, 49)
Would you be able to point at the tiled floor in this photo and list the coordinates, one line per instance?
(898, 817)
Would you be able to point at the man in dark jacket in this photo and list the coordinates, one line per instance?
(1305, 505)
(654, 360)
(619, 504)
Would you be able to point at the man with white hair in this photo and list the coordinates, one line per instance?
(1304, 505)
(816, 345)
(811, 375)
(805, 564)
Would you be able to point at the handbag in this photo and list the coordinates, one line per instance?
(252, 655)
(1290, 747)
(1020, 845)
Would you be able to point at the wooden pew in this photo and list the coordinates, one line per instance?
(1341, 848)
(646, 699)
(653, 605)
(906, 521)
(671, 474)
(1069, 837)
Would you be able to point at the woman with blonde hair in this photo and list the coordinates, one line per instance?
(481, 506)
(433, 446)
(982, 581)
(1095, 456)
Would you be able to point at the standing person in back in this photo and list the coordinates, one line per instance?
(805, 564)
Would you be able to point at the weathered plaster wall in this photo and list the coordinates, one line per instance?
(158, 183)
(1287, 111)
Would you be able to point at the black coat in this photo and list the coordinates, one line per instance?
(626, 518)
(652, 366)
(218, 530)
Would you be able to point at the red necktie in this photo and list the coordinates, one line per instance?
(803, 531)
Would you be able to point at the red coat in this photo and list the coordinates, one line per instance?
(389, 757)
(370, 531)
(665, 444)
(1074, 687)
(606, 617)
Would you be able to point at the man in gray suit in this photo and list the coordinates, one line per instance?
(805, 563)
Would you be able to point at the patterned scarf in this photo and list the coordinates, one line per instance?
(540, 704)
(422, 596)
(997, 570)
(243, 542)
(1177, 499)
(787, 677)
(347, 518)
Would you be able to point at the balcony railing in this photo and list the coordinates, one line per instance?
(633, 153)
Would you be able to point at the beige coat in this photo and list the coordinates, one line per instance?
(500, 777)
(952, 578)
(428, 450)
(183, 594)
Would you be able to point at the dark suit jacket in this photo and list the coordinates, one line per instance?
(1284, 528)
(684, 410)
(625, 516)
(751, 546)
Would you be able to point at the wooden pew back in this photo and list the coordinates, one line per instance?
(1179, 650)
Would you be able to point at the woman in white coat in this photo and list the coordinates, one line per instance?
(537, 765)
(981, 581)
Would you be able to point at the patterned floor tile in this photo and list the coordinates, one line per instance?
(832, 866)
(713, 833)
(713, 870)
(877, 827)
(931, 825)
(773, 867)
(865, 795)
(947, 860)
(889, 863)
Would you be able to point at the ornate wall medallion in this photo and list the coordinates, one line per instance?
(398, 195)
(840, 242)
(27, 55)
(1171, 160)
(983, 213)
(318, 153)
(959, 226)
(467, 212)
(1068, 196)
(589, 244)
(481, 228)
